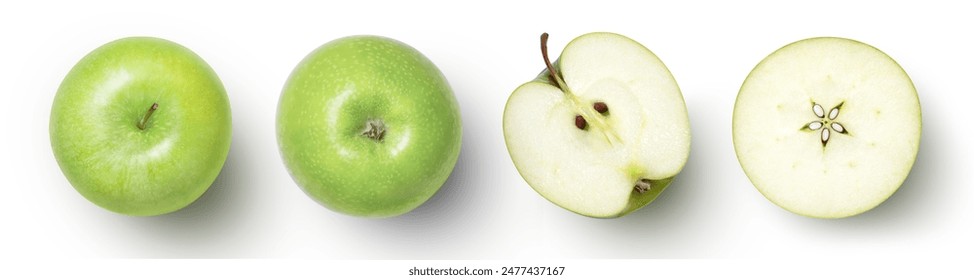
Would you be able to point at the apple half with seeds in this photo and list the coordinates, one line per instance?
(603, 130)
(827, 127)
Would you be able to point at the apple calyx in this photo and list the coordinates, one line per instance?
(145, 119)
(643, 186)
(375, 130)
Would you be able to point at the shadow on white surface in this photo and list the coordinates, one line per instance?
(914, 206)
(208, 227)
(428, 231)
(675, 225)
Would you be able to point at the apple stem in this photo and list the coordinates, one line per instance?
(551, 69)
(145, 119)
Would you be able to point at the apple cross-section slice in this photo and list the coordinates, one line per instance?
(603, 130)
(827, 127)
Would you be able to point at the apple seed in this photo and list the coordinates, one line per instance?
(818, 110)
(601, 107)
(838, 127)
(580, 122)
(815, 125)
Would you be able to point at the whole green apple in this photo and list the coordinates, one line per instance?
(141, 126)
(368, 126)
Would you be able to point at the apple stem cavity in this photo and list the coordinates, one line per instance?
(375, 130)
(580, 122)
(643, 186)
(556, 78)
(145, 119)
(547, 62)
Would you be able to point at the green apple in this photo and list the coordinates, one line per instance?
(368, 126)
(827, 127)
(603, 130)
(141, 126)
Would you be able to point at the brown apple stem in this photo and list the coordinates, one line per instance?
(145, 119)
(551, 69)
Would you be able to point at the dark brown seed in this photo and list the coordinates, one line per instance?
(601, 107)
(580, 122)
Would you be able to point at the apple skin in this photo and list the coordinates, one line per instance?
(111, 161)
(325, 107)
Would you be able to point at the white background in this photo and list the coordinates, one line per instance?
(485, 210)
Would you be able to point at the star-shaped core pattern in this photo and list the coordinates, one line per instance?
(825, 122)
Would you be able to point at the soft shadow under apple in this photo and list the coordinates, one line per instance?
(914, 206)
(205, 228)
(668, 226)
(429, 230)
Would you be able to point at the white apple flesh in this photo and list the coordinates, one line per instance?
(827, 127)
(604, 134)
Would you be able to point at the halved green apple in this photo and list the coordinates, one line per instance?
(602, 131)
(827, 127)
